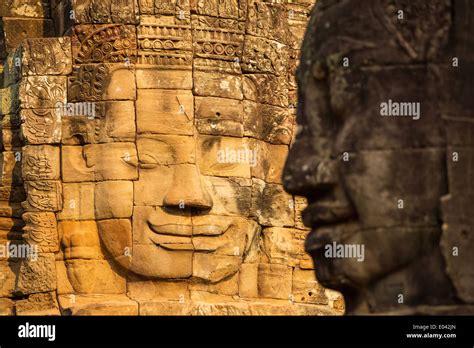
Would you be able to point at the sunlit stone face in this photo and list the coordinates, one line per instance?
(154, 159)
(157, 213)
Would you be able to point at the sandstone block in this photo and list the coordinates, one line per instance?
(46, 56)
(41, 230)
(248, 280)
(97, 82)
(43, 196)
(74, 165)
(165, 111)
(155, 78)
(219, 116)
(114, 161)
(116, 237)
(214, 268)
(225, 156)
(306, 289)
(78, 202)
(269, 123)
(270, 163)
(80, 240)
(97, 304)
(210, 84)
(18, 29)
(113, 199)
(40, 126)
(274, 281)
(38, 92)
(40, 162)
(271, 205)
(91, 277)
(38, 304)
(230, 196)
(37, 275)
(283, 245)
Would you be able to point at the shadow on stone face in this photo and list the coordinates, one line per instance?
(385, 153)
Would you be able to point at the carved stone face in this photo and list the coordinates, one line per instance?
(162, 199)
(373, 174)
(154, 156)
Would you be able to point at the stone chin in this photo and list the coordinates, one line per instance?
(154, 261)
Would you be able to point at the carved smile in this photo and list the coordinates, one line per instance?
(179, 237)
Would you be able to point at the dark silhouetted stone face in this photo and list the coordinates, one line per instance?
(384, 152)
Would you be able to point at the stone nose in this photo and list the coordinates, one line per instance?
(188, 190)
(309, 175)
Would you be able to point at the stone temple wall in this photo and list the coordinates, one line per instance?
(143, 147)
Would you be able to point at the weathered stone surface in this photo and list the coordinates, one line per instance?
(266, 89)
(41, 126)
(248, 280)
(43, 196)
(283, 245)
(225, 156)
(159, 291)
(230, 196)
(271, 205)
(96, 82)
(10, 101)
(37, 275)
(116, 237)
(165, 150)
(18, 29)
(301, 203)
(113, 199)
(236, 239)
(38, 304)
(40, 162)
(11, 138)
(8, 276)
(38, 92)
(274, 281)
(78, 202)
(80, 240)
(162, 165)
(219, 116)
(165, 112)
(41, 231)
(153, 78)
(28, 8)
(113, 43)
(270, 161)
(74, 166)
(306, 289)
(269, 123)
(11, 168)
(115, 161)
(89, 277)
(156, 261)
(6, 307)
(107, 304)
(108, 122)
(209, 84)
(214, 268)
(226, 287)
(46, 56)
